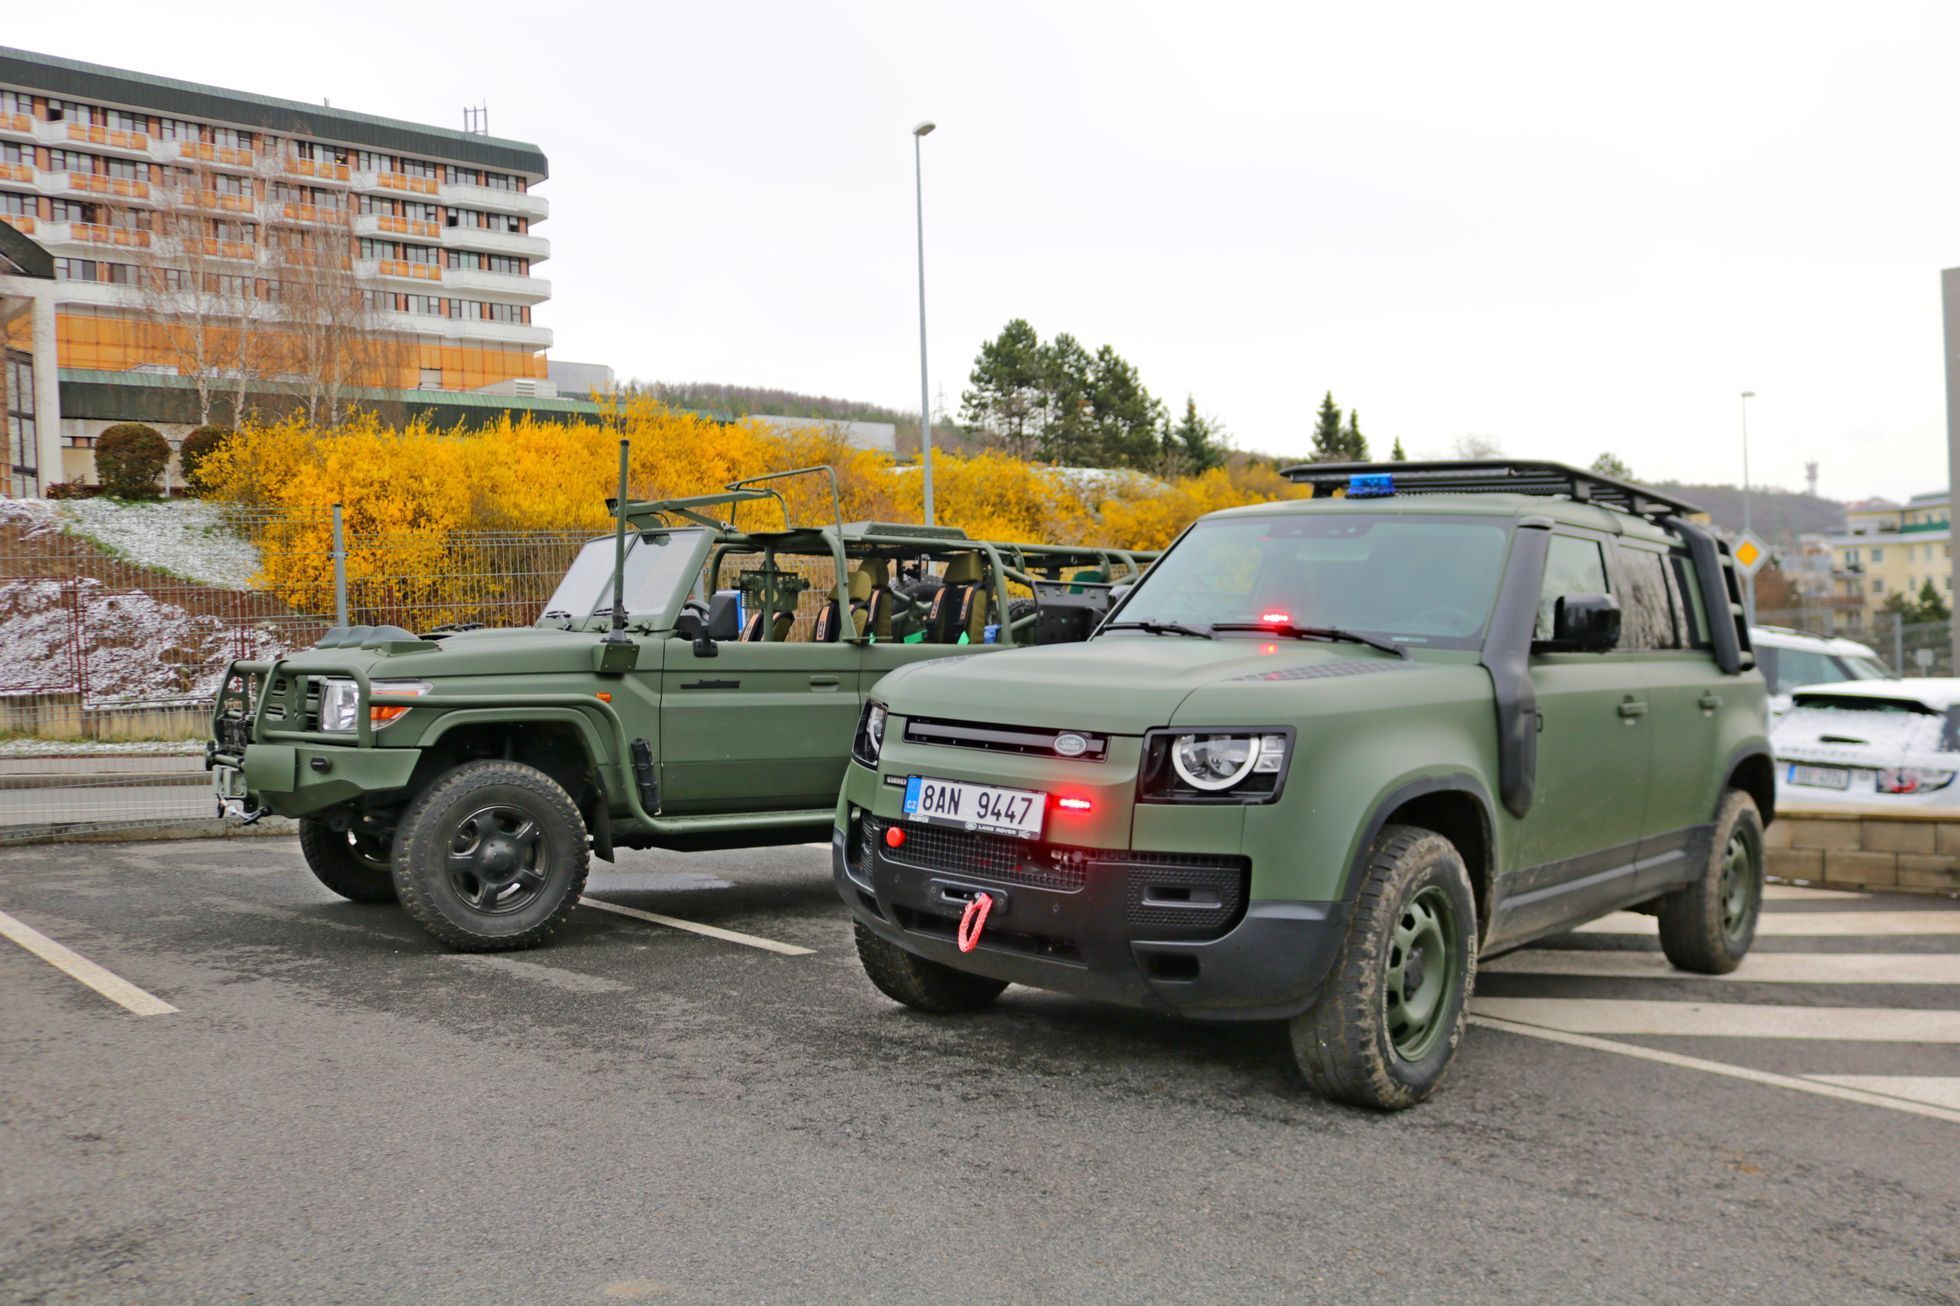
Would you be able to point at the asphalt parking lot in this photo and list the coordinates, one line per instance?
(335, 1109)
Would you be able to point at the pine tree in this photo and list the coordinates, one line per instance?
(1396, 455)
(1329, 440)
(1355, 443)
(1192, 445)
(1931, 606)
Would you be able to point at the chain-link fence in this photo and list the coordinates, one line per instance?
(1907, 647)
(117, 623)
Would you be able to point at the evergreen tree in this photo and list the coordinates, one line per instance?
(1353, 442)
(1932, 607)
(1068, 382)
(1193, 444)
(1608, 464)
(1008, 394)
(1125, 415)
(1396, 455)
(1329, 440)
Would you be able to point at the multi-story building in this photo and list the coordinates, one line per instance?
(1890, 549)
(142, 187)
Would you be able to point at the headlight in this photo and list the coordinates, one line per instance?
(340, 699)
(870, 741)
(1230, 766)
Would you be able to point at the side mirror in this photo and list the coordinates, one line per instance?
(1117, 593)
(725, 615)
(1584, 623)
(693, 626)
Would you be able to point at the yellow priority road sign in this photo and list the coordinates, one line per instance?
(1750, 553)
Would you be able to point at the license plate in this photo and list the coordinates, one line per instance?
(1820, 777)
(975, 807)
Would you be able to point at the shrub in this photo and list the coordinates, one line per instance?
(191, 453)
(129, 460)
(70, 490)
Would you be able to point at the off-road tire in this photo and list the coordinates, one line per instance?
(921, 984)
(1706, 928)
(1342, 1043)
(438, 821)
(336, 859)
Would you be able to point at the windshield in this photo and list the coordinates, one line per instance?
(658, 565)
(1864, 668)
(1414, 580)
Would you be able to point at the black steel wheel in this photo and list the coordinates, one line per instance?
(352, 864)
(1707, 927)
(491, 857)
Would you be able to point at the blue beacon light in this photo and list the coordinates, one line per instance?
(1371, 485)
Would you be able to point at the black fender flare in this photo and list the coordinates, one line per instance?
(1461, 782)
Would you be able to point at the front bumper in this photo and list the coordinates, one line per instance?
(1167, 931)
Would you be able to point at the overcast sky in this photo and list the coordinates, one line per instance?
(1570, 228)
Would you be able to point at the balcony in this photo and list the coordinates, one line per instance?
(399, 182)
(224, 156)
(92, 233)
(16, 124)
(528, 203)
(535, 248)
(387, 224)
(89, 183)
(19, 222)
(469, 330)
(312, 213)
(394, 267)
(318, 169)
(504, 285)
(101, 138)
(16, 172)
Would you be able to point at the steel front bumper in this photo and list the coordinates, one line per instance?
(1167, 932)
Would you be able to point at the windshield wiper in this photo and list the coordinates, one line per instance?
(1289, 631)
(1160, 628)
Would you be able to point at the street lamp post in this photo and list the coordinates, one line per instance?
(919, 133)
(1748, 577)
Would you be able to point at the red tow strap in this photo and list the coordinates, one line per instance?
(975, 916)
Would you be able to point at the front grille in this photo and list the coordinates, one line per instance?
(1018, 861)
(1034, 741)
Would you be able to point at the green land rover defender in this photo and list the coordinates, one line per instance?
(688, 685)
(1324, 755)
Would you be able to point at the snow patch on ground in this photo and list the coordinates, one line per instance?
(184, 537)
(134, 647)
(92, 748)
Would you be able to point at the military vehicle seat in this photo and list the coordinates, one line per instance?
(828, 623)
(951, 610)
(871, 601)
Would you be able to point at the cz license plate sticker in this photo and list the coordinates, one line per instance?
(1820, 777)
(975, 807)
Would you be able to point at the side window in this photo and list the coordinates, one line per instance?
(1647, 619)
(1689, 585)
(1572, 566)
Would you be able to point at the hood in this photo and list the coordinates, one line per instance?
(1866, 730)
(1125, 685)
(519, 649)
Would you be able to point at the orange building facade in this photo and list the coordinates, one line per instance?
(439, 226)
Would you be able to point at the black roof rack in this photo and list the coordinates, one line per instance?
(1497, 476)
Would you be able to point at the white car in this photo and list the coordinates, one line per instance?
(1872, 745)
(1790, 659)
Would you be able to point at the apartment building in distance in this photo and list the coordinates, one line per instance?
(1886, 549)
(139, 186)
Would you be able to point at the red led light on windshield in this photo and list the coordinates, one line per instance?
(1275, 619)
(1075, 804)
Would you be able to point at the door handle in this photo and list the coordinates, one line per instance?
(823, 682)
(1709, 700)
(1632, 709)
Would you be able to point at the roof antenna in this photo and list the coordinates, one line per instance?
(476, 120)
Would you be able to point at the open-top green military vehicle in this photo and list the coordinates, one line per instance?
(690, 684)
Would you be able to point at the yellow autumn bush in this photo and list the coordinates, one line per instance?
(414, 497)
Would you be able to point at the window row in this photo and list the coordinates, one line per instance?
(474, 310)
(178, 129)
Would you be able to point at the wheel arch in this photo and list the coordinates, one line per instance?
(1753, 771)
(1458, 807)
(560, 742)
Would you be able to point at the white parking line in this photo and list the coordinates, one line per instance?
(1816, 1086)
(1757, 968)
(695, 927)
(1935, 1090)
(1818, 924)
(79, 968)
(1725, 1019)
